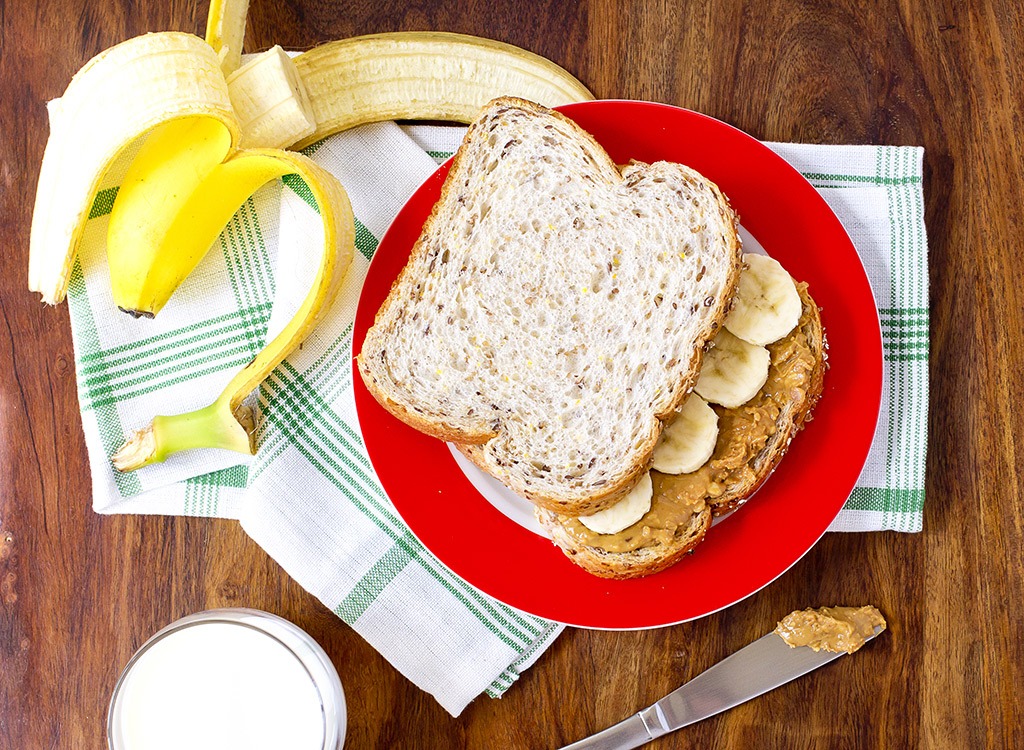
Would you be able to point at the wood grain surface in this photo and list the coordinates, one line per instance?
(79, 592)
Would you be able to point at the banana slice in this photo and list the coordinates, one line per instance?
(688, 441)
(624, 513)
(766, 306)
(733, 371)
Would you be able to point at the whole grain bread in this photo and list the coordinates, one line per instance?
(797, 404)
(556, 307)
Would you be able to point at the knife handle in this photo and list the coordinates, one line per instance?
(632, 732)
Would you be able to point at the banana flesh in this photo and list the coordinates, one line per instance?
(118, 96)
(688, 441)
(421, 75)
(270, 101)
(225, 31)
(624, 513)
(733, 371)
(766, 306)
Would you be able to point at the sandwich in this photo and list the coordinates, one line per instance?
(712, 457)
(566, 322)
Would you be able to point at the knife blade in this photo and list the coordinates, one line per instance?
(755, 669)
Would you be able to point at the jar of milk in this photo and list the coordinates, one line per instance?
(225, 679)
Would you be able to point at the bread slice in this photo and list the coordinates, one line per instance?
(799, 361)
(555, 308)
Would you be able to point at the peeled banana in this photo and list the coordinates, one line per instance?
(688, 441)
(182, 187)
(733, 371)
(767, 305)
(624, 513)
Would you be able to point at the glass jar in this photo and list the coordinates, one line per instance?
(227, 678)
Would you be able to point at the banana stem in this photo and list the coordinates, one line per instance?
(213, 426)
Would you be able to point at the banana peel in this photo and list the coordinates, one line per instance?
(119, 96)
(208, 123)
(190, 170)
(423, 75)
(151, 247)
(270, 101)
(225, 31)
(181, 189)
(227, 423)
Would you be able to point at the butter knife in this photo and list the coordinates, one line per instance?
(752, 671)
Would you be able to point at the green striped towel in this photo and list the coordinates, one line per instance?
(877, 193)
(310, 497)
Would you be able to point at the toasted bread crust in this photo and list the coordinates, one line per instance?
(564, 506)
(649, 560)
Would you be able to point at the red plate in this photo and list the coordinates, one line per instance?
(771, 532)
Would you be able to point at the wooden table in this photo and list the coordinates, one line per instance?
(79, 592)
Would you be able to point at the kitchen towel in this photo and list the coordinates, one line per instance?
(309, 496)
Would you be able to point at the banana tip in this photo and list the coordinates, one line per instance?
(137, 451)
(137, 313)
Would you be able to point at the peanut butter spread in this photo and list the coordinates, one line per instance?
(729, 475)
(830, 628)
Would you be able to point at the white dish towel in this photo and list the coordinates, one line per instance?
(310, 497)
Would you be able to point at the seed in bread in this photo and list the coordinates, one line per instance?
(555, 309)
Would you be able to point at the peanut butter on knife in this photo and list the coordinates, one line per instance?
(830, 628)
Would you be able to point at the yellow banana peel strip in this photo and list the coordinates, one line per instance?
(118, 96)
(160, 225)
(226, 423)
(423, 75)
